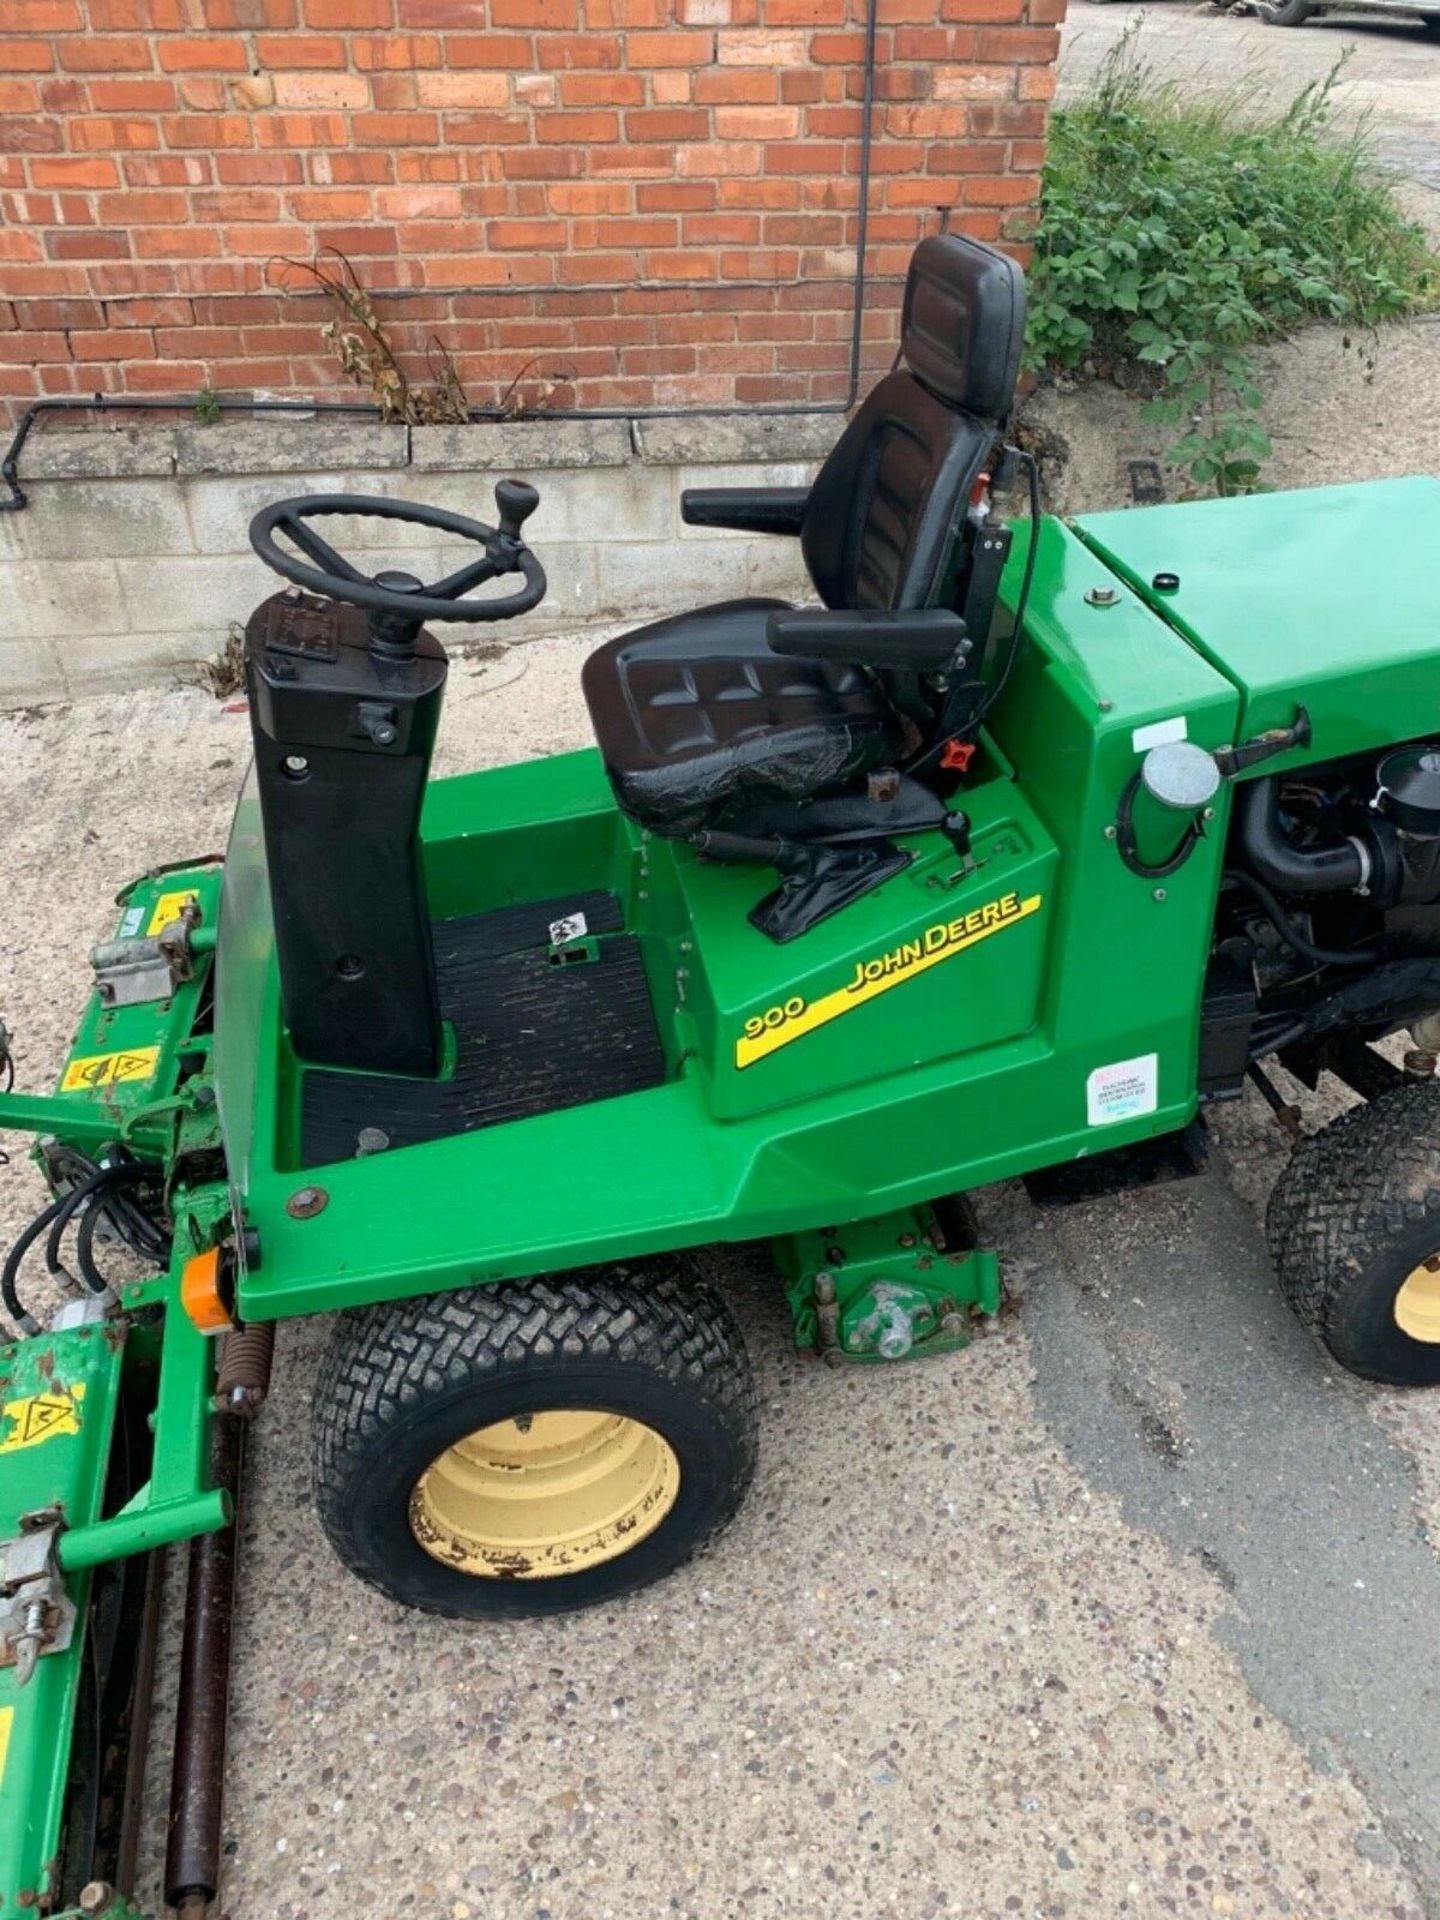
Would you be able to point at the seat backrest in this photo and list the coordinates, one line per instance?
(886, 506)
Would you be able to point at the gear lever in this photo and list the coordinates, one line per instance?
(517, 500)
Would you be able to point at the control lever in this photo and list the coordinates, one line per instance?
(517, 500)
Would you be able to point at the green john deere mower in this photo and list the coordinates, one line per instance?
(1003, 859)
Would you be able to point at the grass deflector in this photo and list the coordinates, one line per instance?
(1027, 841)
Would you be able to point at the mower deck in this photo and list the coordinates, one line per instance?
(532, 1035)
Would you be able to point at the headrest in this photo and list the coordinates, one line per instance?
(963, 323)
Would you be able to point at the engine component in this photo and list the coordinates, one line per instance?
(1408, 783)
(1227, 1015)
(1275, 859)
(911, 1282)
(1176, 777)
(1408, 798)
(1298, 941)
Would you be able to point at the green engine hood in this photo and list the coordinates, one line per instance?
(1327, 598)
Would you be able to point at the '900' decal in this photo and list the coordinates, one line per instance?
(765, 1033)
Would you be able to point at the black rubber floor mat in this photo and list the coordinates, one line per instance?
(532, 1037)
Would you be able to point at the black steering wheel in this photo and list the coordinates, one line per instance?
(398, 603)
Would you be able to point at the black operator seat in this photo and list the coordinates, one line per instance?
(793, 736)
(696, 714)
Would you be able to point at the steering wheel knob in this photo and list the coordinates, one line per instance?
(517, 500)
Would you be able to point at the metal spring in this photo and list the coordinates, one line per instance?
(243, 1377)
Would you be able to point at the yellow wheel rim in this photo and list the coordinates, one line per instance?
(1417, 1305)
(545, 1494)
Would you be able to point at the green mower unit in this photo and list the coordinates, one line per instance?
(1018, 848)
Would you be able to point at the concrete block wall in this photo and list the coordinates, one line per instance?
(131, 561)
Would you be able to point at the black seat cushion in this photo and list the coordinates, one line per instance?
(696, 718)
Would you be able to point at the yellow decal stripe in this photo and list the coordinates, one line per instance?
(878, 976)
(101, 1069)
(7, 1720)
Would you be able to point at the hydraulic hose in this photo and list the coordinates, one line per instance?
(10, 1272)
(1275, 860)
(77, 1197)
(1291, 934)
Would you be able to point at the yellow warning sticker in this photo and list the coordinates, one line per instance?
(765, 1033)
(103, 1069)
(7, 1720)
(167, 908)
(41, 1417)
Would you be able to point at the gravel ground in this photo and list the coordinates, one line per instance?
(935, 1668)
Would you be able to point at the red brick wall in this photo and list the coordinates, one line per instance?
(657, 197)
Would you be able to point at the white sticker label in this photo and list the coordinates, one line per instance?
(1121, 1091)
(573, 927)
(1159, 733)
(133, 921)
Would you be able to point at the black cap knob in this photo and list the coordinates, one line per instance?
(517, 500)
(392, 634)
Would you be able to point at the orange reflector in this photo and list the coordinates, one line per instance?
(201, 1295)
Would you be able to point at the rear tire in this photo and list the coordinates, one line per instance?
(1285, 13)
(1354, 1225)
(1290, 1196)
(536, 1447)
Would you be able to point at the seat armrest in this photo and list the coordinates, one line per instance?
(924, 639)
(745, 509)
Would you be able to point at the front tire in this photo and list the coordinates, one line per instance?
(535, 1447)
(1354, 1229)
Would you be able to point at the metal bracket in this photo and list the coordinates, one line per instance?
(37, 1615)
(877, 1291)
(130, 972)
(1233, 760)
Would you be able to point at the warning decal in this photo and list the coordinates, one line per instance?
(103, 1069)
(1123, 1090)
(41, 1417)
(167, 908)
